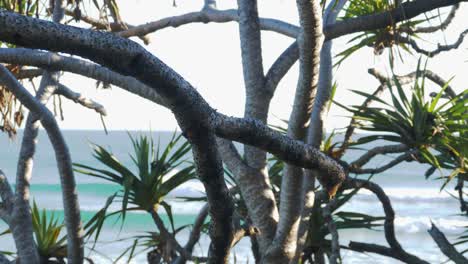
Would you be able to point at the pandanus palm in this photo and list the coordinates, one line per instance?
(436, 128)
(159, 171)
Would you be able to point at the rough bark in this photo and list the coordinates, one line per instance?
(316, 127)
(126, 57)
(310, 41)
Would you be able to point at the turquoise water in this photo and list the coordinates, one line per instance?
(417, 201)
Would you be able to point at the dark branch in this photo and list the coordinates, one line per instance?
(396, 250)
(438, 50)
(403, 12)
(364, 159)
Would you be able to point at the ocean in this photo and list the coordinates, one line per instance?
(417, 201)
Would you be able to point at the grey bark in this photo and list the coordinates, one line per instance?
(80, 99)
(255, 187)
(310, 41)
(52, 61)
(316, 127)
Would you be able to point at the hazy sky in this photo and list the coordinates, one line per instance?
(208, 56)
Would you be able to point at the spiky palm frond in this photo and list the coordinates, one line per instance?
(146, 188)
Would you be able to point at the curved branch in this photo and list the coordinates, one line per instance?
(443, 25)
(408, 156)
(280, 67)
(395, 250)
(51, 61)
(364, 159)
(448, 249)
(439, 49)
(206, 15)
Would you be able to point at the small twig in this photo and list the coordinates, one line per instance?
(439, 49)
(445, 246)
(407, 156)
(80, 99)
(442, 26)
(364, 159)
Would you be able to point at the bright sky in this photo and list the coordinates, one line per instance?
(208, 56)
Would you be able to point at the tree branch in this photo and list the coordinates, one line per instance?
(280, 67)
(335, 256)
(51, 61)
(310, 40)
(440, 48)
(395, 250)
(407, 156)
(211, 174)
(403, 12)
(70, 200)
(442, 26)
(387, 149)
(100, 24)
(448, 249)
(206, 15)
(127, 57)
(80, 99)
(194, 234)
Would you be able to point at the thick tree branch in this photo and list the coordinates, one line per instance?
(255, 188)
(316, 126)
(310, 40)
(129, 58)
(211, 174)
(404, 12)
(448, 249)
(51, 61)
(80, 99)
